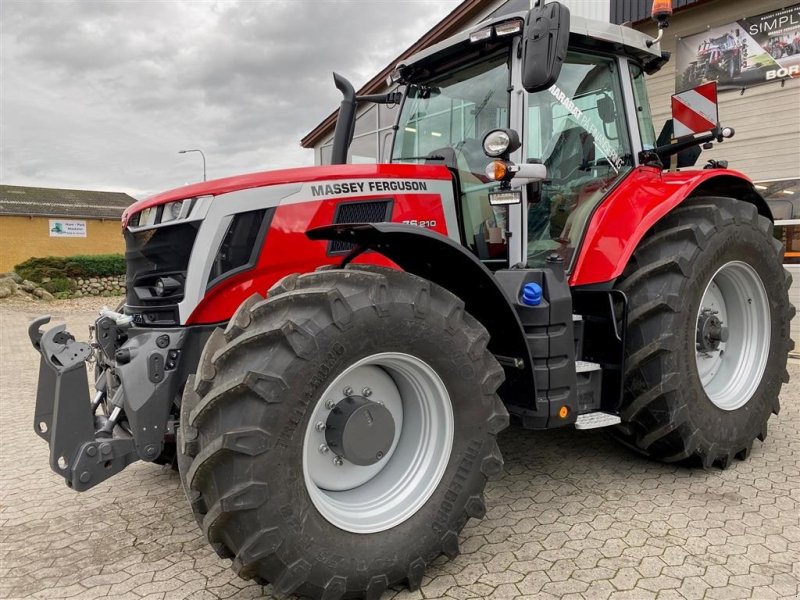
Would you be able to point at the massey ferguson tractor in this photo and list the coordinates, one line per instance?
(329, 353)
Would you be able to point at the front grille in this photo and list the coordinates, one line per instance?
(155, 253)
(374, 211)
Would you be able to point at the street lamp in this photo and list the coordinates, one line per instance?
(201, 154)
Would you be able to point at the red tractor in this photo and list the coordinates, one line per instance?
(329, 353)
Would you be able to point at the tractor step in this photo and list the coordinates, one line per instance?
(583, 366)
(595, 420)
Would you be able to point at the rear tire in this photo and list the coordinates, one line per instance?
(675, 408)
(250, 416)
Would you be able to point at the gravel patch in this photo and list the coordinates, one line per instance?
(22, 304)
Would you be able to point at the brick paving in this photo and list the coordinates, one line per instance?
(574, 516)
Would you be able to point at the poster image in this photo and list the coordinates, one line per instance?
(744, 53)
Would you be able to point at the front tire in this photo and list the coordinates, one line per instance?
(266, 481)
(707, 279)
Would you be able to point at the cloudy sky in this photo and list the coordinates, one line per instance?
(103, 94)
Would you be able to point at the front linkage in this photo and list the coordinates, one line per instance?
(136, 396)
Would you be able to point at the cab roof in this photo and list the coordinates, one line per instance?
(583, 32)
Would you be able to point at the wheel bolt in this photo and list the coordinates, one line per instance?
(330, 404)
(338, 461)
(320, 426)
(366, 392)
(348, 391)
(323, 449)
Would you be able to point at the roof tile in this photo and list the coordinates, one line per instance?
(51, 202)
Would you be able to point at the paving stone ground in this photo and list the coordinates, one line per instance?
(574, 516)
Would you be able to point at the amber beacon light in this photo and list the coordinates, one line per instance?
(661, 12)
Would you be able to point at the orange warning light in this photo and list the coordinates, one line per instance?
(563, 412)
(662, 10)
(497, 170)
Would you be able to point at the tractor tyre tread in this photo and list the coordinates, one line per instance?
(234, 407)
(657, 411)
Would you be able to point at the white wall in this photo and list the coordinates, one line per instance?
(600, 10)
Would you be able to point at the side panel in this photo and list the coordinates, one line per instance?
(644, 197)
(287, 250)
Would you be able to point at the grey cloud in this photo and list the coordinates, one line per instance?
(107, 92)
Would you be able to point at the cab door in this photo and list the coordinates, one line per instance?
(578, 129)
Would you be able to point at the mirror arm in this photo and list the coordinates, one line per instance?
(390, 98)
(718, 134)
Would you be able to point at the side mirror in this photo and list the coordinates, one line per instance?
(545, 44)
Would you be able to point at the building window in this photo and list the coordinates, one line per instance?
(372, 126)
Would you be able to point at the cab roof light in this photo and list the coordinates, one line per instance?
(396, 76)
(480, 35)
(508, 28)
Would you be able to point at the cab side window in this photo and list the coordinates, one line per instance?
(643, 115)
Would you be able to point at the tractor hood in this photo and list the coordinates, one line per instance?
(226, 185)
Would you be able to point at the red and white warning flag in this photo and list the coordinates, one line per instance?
(695, 110)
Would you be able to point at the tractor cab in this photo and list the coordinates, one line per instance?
(585, 122)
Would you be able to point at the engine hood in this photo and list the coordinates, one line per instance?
(298, 175)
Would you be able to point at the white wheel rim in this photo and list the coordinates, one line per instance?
(368, 499)
(731, 373)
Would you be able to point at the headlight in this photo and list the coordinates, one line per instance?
(500, 142)
(166, 286)
(172, 211)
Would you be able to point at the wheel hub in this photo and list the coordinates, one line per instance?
(710, 331)
(412, 424)
(733, 335)
(360, 430)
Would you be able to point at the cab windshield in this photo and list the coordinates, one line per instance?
(443, 121)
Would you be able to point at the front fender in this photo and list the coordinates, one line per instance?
(620, 222)
(438, 259)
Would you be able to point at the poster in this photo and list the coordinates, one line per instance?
(748, 52)
(61, 228)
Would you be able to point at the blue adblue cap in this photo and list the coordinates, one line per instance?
(532, 294)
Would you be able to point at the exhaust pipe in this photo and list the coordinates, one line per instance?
(345, 123)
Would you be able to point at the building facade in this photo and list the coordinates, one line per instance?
(37, 222)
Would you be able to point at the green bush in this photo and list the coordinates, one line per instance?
(60, 267)
(59, 284)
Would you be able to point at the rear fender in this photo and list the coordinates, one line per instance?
(438, 259)
(639, 202)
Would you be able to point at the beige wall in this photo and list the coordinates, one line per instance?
(24, 237)
(766, 117)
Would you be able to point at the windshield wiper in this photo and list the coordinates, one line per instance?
(429, 157)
